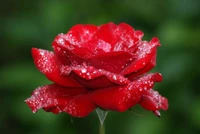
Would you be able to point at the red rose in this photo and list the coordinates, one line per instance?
(98, 66)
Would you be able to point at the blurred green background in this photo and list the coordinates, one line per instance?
(25, 24)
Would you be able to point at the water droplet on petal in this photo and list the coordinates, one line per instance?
(36, 93)
(114, 77)
(83, 70)
(157, 113)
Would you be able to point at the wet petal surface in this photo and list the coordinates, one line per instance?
(121, 98)
(56, 99)
(152, 100)
(146, 53)
(93, 78)
(49, 65)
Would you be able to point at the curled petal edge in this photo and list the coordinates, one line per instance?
(48, 64)
(56, 99)
(121, 98)
(151, 100)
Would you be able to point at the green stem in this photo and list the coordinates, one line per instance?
(101, 128)
(102, 116)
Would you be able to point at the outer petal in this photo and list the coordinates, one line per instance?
(48, 64)
(93, 78)
(147, 68)
(56, 99)
(146, 51)
(153, 101)
(121, 98)
(80, 106)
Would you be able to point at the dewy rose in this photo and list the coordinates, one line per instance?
(98, 66)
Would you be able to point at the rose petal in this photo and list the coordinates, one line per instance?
(80, 106)
(144, 53)
(79, 34)
(114, 62)
(139, 34)
(126, 38)
(54, 98)
(121, 98)
(147, 68)
(93, 78)
(152, 100)
(110, 61)
(48, 64)
(106, 32)
(98, 46)
(69, 54)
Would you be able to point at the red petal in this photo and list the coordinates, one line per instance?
(121, 98)
(98, 46)
(144, 55)
(79, 34)
(48, 64)
(73, 46)
(56, 99)
(68, 53)
(126, 38)
(80, 106)
(147, 68)
(114, 62)
(116, 98)
(106, 33)
(139, 34)
(152, 100)
(93, 78)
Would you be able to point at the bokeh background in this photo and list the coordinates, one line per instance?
(25, 24)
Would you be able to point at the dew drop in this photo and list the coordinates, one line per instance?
(156, 106)
(90, 69)
(114, 77)
(157, 113)
(36, 93)
(42, 53)
(94, 72)
(61, 41)
(88, 73)
(83, 70)
(128, 95)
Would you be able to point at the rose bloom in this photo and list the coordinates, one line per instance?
(98, 66)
